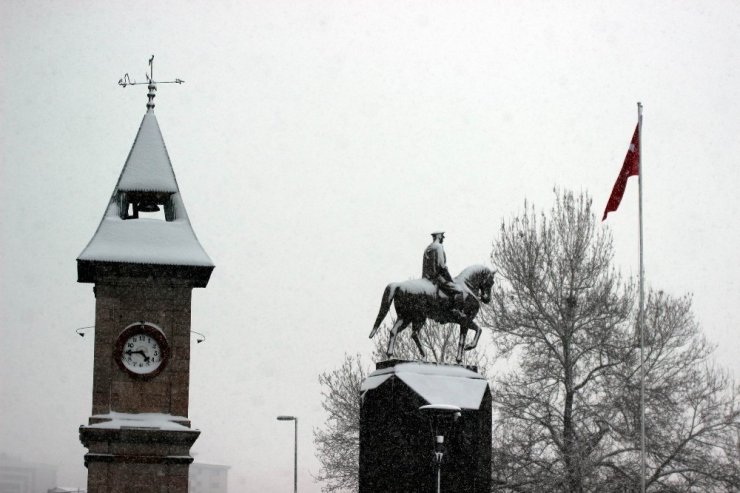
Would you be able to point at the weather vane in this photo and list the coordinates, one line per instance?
(151, 83)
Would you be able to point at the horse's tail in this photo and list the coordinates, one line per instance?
(385, 305)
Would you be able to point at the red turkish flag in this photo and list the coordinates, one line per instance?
(630, 167)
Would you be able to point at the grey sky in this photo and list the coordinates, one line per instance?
(316, 145)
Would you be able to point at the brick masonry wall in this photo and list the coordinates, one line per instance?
(158, 463)
(137, 478)
(120, 303)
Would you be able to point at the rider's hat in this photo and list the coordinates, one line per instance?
(437, 233)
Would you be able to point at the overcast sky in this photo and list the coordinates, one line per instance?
(316, 145)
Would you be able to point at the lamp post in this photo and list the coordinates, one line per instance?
(295, 449)
(441, 419)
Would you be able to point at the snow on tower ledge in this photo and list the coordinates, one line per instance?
(143, 247)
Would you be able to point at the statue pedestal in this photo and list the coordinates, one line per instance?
(396, 439)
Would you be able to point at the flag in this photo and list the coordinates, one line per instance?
(630, 167)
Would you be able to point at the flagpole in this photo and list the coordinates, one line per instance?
(641, 314)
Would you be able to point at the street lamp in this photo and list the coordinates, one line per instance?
(295, 450)
(441, 418)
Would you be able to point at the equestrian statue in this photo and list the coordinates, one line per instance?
(439, 296)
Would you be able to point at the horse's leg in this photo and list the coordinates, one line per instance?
(461, 344)
(397, 327)
(478, 331)
(416, 328)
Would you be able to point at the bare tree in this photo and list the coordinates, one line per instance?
(568, 416)
(338, 441)
(692, 417)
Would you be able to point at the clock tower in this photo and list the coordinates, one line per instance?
(144, 260)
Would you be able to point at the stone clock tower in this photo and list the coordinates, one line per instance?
(144, 260)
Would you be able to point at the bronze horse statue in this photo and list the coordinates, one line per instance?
(419, 299)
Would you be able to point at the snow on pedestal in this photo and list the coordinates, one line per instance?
(149, 421)
(156, 444)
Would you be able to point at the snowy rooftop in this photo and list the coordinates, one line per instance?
(145, 241)
(148, 166)
(121, 238)
(436, 384)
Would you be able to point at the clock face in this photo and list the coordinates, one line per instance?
(142, 350)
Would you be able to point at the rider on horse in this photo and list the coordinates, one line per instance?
(434, 268)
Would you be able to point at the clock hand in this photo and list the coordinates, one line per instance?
(139, 351)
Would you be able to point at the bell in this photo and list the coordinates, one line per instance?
(147, 207)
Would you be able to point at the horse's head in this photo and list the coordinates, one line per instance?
(479, 280)
(486, 286)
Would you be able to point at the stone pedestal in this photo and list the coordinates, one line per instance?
(396, 439)
(134, 455)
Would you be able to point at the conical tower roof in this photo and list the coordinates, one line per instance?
(126, 241)
(148, 167)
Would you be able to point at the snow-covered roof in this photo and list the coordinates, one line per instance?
(148, 166)
(145, 240)
(436, 384)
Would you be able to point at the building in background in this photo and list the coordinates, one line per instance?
(18, 476)
(208, 478)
